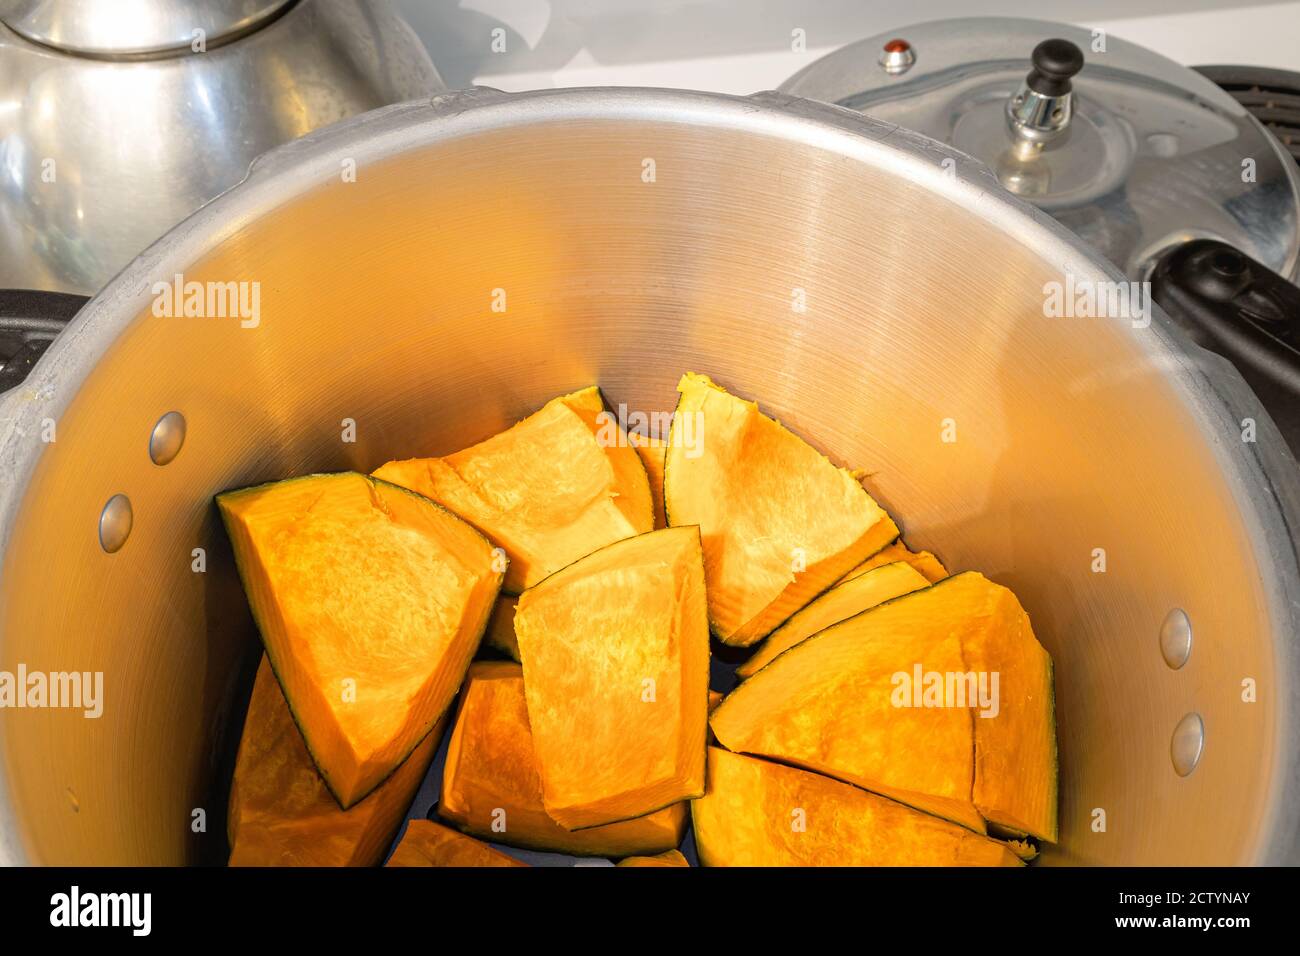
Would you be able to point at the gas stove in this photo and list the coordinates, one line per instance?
(1272, 96)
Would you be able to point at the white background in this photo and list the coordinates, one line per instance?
(741, 46)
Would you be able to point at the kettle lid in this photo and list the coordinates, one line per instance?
(133, 27)
(1132, 151)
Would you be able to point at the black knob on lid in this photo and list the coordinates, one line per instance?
(1055, 61)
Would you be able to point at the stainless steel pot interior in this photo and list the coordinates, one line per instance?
(923, 296)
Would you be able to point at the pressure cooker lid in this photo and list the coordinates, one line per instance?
(1132, 151)
(133, 27)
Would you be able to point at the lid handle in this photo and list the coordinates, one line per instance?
(1238, 307)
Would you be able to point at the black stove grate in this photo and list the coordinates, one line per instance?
(1272, 97)
(29, 321)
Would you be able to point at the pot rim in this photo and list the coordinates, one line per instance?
(1262, 476)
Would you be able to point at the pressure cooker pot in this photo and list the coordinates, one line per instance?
(1147, 160)
(415, 279)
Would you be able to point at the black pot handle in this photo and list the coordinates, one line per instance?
(1242, 310)
(29, 321)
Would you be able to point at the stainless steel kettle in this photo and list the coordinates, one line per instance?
(118, 120)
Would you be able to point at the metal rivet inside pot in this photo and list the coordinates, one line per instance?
(1176, 638)
(115, 523)
(167, 437)
(1188, 744)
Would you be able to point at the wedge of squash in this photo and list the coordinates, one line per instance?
(780, 523)
(670, 858)
(652, 451)
(549, 490)
(923, 561)
(615, 652)
(500, 633)
(1015, 750)
(941, 699)
(281, 813)
(426, 843)
(758, 813)
(826, 705)
(491, 786)
(371, 600)
(852, 596)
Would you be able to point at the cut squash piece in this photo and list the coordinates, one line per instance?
(280, 811)
(549, 490)
(426, 843)
(491, 786)
(615, 651)
(923, 561)
(1015, 751)
(826, 705)
(715, 698)
(500, 634)
(851, 597)
(780, 523)
(941, 699)
(671, 858)
(758, 813)
(371, 600)
(652, 451)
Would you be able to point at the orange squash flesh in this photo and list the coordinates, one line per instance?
(825, 704)
(780, 523)
(1015, 752)
(923, 561)
(426, 843)
(652, 451)
(492, 788)
(841, 703)
(670, 858)
(852, 596)
(758, 813)
(500, 633)
(549, 490)
(280, 811)
(371, 601)
(615, 652)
